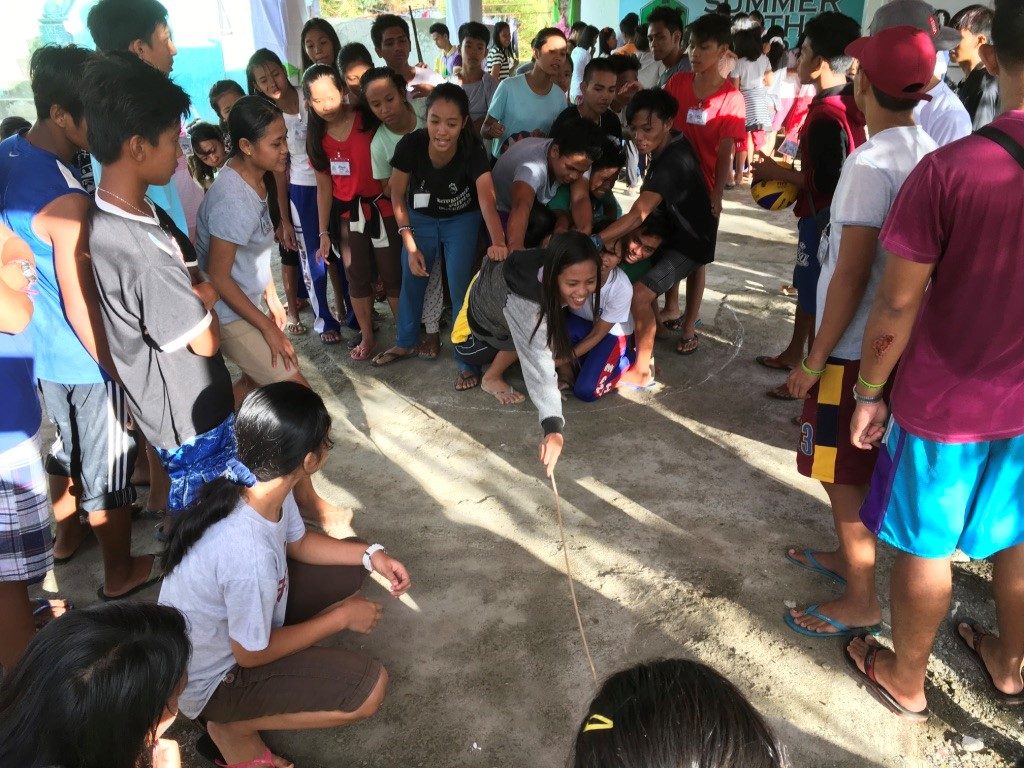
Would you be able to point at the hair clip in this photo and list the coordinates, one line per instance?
(598, 723)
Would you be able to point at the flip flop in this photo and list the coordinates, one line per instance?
(841, 630)
(684, 342)
(1006, 699)
(675, 324)
(387, 357)
(866, 677)
(296, 328)
(154, 576)
(40, 605)
(769, 361)
(781, 393)
(465, 376)
(638, 387)
(812, 564)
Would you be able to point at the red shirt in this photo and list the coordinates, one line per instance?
(351, 168)
(725, 117)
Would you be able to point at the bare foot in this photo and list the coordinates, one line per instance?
(501, 391)
(842, 611)
(668, 315)
(637, 378)
(884, 663)
(430, 347)
(68, 539)
(466, 380)
(143, 569)
(1007, 680)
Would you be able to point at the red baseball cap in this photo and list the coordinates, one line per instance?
(899, 61)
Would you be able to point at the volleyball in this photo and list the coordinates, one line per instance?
(774, 195)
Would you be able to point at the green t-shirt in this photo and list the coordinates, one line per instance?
(635, 272)
(382, 149)
(605, 209)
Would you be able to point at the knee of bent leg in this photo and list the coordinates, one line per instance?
(369, 707)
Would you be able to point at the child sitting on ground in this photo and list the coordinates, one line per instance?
(261, 592)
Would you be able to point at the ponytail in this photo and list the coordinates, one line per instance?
(216, 501)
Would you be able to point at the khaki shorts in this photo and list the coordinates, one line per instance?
(244, 345)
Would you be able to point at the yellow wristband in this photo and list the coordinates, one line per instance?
(810, 371)
(868, 384)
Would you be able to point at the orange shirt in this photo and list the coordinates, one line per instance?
(629, 49)
(704, 123)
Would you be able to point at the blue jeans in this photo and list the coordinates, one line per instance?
(457, 236)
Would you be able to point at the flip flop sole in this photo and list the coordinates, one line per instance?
(820, 569)
(880, 694)
(849, 632)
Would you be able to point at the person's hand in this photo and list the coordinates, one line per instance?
(716, 203)
(418, 263)
(277, 314)
(359, 614)
(166, 754)
(393, 571)
(13, 277)
(206, 294)
(629, 89)
(867, 426)
(280, 347)
(550, 450)
(764, 168)
(494, 130)
(800, 382)
(420, 90)
(497, 252)
(286, 236)
(325, 248)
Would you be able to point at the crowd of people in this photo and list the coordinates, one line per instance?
(137, 247)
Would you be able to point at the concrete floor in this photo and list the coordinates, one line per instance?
(678, 505)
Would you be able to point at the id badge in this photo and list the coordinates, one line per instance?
(341, 168)
(185, 142)
(695, 116)
(421, 200)
(789, 148)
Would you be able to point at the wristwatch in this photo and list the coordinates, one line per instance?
(27, 270)
(370, 552)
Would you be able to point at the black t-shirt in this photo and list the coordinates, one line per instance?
(609, 122)
(979, 92)
(676, 176)
(441, 192)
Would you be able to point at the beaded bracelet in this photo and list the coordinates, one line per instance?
(810, 371)
(864, 398)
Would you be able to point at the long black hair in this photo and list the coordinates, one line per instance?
(249, 119)
(198, 133)
(320, 25)
(261, 58)
(604, 47)
(317, 125)
(92, 687)
(588, 38)
(352, 53)
(370, 119)
(277, 426)
(499, 27)
(564, 250)
(665, 714)
(454, 94)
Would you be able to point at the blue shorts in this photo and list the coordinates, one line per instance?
(807, 269)
(929, 498)
(193, 464)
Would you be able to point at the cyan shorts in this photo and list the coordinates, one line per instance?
(930, 498)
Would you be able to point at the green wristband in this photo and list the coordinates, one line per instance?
(810, 371)
(868, 384)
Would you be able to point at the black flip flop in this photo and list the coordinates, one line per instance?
(765, 360)
(153, 579)
(681, 342)
(1006, 699)
(866, 677)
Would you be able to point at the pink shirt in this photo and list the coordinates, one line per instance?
(961, 378)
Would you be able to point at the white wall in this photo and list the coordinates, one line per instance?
(600, 13)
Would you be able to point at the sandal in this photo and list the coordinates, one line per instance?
(866, 677)
(390, 356)
(296, 328)
(155, 574)
(841, 630)
(466, 380)
(781, 392)
(361, 353)
(430, 347)
(688, 346)
(812, 564)
(977, 633)
(772, 362)
(675, 324)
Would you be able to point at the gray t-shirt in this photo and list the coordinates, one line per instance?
(871, 177)
(150, 314)
(231, 585)
(233, 212)
(526, 160)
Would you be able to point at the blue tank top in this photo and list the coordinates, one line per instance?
(20, 415)
(31, 179)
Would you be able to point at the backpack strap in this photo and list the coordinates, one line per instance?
(1005, 141)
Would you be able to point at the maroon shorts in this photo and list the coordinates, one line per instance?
(825, 452)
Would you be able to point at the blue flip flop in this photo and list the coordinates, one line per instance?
(841, 630)
(812, 564)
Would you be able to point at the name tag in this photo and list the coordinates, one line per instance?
(695, 116)
(789, 148)
(185, 142)
(421, 200)
(341, 168)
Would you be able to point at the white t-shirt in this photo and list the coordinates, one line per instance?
(231, 585)
(580, 58)
(944, 118)
(751, 73)
(300, 172)
(616, 300)
(871, 177)
(422, 76)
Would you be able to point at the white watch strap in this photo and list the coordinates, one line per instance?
(370, 552)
